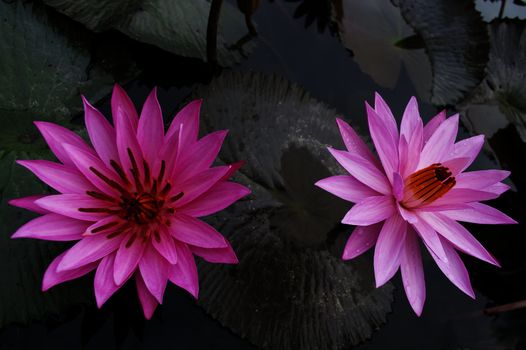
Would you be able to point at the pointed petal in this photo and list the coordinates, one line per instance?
(413, 272)
(199, 184)
(224, 255)
(195, 232)
(458, 236)
(232, 168)
(398, 186)
(481, 179)
(386, 116)
(121, 104)
(154, 271)
(69, 205)
(411, 130)
(386, 145)
(388, 248)
(105, 226)
(361, 240)
(88, 250)
(104, 284)
(150, 132)
(456, 165)
(184, 273)
(370, 211)
(462, 195)
(165, 246)
(29, 204)
(362, 170)
(346, 187)
(478, 213)
(57, 136)
(440, 144)
(468, 148)
(126, 140)
(148, 301)
(355, 144)
(433, 125)
(189, 117)
(454, 269)
(217, 198)
(101, 133)
(52, 277)
(127, 258)
(64, 179)
(431, 238)
(52, 227)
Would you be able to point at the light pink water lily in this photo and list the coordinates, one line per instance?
(416, 189)
(132, 201)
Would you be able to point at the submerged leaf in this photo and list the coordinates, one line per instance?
(456, 42)
(291, 288)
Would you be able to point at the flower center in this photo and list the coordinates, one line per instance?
(427, 185)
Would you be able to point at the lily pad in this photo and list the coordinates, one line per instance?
(456, 41)
(46, 64)
(23, 262)
(291, 289)
(373, 31)
(175, 26)
(500, 98)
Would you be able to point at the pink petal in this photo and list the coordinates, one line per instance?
(121, 104)
(346, 187)
(90, 165)
(498, 188)
(217, 198)
(195, 232)
(62, 178)
(431, 238)
(199, 184)
(398, 186)
(29, 204)
(370, 211)
(478, 213)
(189, 117)
(148, 301)
(150, 132)
(104, 284)
(413, 272)
(57, 136)
(481, 179)
(97, 228)
(386, 117)
(169, 152)
(462, 195)
(433, 124)
(69, 205)
(52, 227)
(154, 271)
(354, 143)
(199, 156)
(224, 255)
(386, 145)
(101, 133)
(388, 248)
(440, 144)
(127, 258)
(458, 236)
(88, 250)
(166, 246)
(184, 273)
(362, 170)
(232, 168)
(456, 165)
(361, 240)
(411, 130)
(454, 269)
(52, 277)
(127, 142)
(468, 148)
(407, 215)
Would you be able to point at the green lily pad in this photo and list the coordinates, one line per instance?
(456, 41)
(291, 289)
(175, 26)
(46, 65)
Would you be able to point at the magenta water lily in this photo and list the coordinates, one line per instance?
(132, 201)
(418, 188)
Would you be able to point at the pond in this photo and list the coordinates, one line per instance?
(278, 76)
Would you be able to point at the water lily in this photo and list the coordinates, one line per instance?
(132, 201)
(416, 188)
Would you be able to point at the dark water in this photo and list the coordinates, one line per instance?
(341, 53)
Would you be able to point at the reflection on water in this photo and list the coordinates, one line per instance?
(462, 55)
